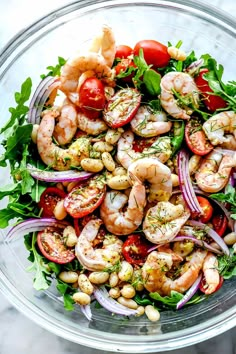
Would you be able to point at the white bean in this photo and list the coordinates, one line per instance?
(126, 271)
(34, 133)
(85, 284)
(113, 279)
(98, 277)
(108, 161)
(152, 313)
(92, 165)
(69, 236)
(128, 291)
(59, 211)
(68, 277)
(230, 238)
(102, 146)
(119, 171)
(71, 185)
(119, 182)
(81, 298)
(112, 136)
(194, 163)
(131, 304)
(114, 293)
(175, 180)
(140, 311)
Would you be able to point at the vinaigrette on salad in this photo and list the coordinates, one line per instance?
(123, 172)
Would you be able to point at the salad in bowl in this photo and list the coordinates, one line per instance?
(122, 168)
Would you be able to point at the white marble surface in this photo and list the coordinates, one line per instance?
(19, 334)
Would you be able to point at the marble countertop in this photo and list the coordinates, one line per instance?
(19, 334)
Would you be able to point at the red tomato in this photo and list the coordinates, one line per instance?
(140, 144)
(123, 51)
(77, 226)
(92, 97)
(206, 208)
(51, 245)
(154, 53)
(85, 197)
(135, 249)
(196, 138)
(203, 287)
(122, 107)
(212, 102)
(49, 199)
(220, 223)
(121, 68)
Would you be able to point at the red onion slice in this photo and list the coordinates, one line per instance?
(86, 311)
(185, 183)
(189, 294)
(110, 304)
(40, 96)
(58, 176)
(211, 233)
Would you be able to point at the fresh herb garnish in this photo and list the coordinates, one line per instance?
(229, 196)
(227, 265)
(54, 70)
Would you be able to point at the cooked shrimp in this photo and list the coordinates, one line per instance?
(66, 127)
(52, 154)
(100, 258)
(221, 123)
(214, 171)
(158, 175)
(211, 273)
(148, 124)
(80, 63)
(158, 264)
(121, 222)
(104, 43)
(164, 221)
(91, 126)
(160, 149)
(181, 84)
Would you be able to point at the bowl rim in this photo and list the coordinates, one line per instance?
(123, 343)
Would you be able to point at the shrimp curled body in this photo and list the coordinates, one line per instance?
(184, 85)
(121, 222)
(211, 273)
(91, 126)
(100, 258)
(66, 127)
(159, 263)
(164, 221)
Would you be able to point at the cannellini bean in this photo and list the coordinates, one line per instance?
(152, 313)
(119, 171)
(230, 238)
(126, 271)
(140, 311)
(59, 211)
(34, 133)
(92, 165)
(102, 146)
(108, 161)
(131, 304)
(71, 185)
(81, 298)
(69, 236)
(60, 186)
(69, 276)
(194, 163)
(175, 180)
(176, 53)
(85, 284)
(112, 136)
(215, 245)
(114, 293)
(98, 277)
(128, 291)
(118, 182)
(113, 279)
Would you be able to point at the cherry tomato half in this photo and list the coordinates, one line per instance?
(92, 97)
(51, 244)
(122, 107)
(135, 249)
(123, 51)
(49, 199)
(206, 208)
(203, 286)
(140, 144)
(85, 197)
(220, 223)
(154, 53)
(196, 138)
(212, 102)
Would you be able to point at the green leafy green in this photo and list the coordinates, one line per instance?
(170, 301)
(54, 70)
(227, 265)
(66, 291)
(229, 196)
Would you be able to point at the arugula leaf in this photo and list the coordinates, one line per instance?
(66, 291)
(54, 70)
(228, 197)
(152, 81)
(171, 300)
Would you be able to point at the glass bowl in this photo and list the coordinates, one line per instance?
(60, 33)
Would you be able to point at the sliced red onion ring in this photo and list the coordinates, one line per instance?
(58, 176)
(40, 96)
(110, 304)
(211, 233)
(33, 225)
(189, 294)
(194, 67)
(86, 311)
(185, 183)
